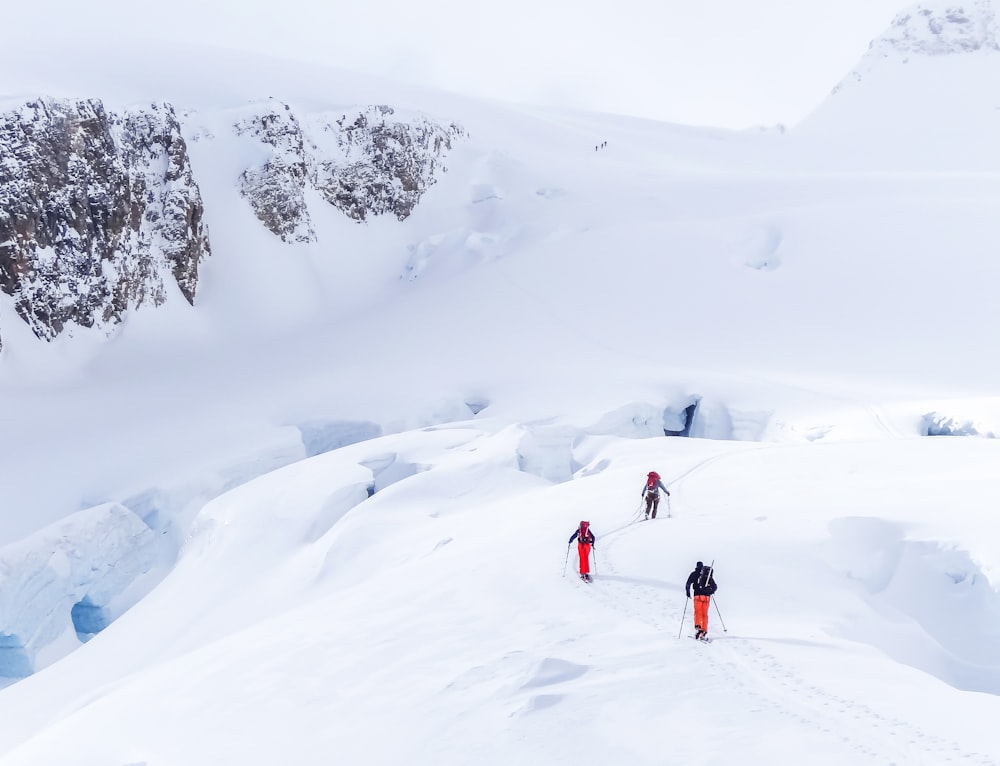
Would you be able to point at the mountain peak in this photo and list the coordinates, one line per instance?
(932, 29)
(935, 29)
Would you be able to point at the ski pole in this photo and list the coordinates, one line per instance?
(721, 621)
(593, 552)
(638, 511)
(668, 506)
(681, 629)
(567, 560)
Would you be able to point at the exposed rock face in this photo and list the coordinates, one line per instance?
(366, 162)
(172, 226)
(276, 189)
(95, 209)
(100, 210)
(384, 165)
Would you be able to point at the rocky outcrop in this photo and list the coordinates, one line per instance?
(172, 225)
(366, 162)
(276, 189)
(381, 164)
(939, 29)
(96, 210)
(100, 212)
(933, 29)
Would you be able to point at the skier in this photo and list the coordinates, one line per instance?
(702, 582)
(651, 491)
(585, 540)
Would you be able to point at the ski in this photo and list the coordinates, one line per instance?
(703, 640)
(586, 578)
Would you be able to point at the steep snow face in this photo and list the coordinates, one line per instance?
(910, 101)
(932, 29)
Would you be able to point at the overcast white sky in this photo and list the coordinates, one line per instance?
(730, 63)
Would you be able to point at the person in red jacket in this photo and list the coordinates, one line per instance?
(585, 540)
(651, 493)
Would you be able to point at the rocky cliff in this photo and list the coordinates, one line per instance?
(381, 164)
(365, 162)
(101, 213)
(97, 209)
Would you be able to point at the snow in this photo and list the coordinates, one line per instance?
(727, 63)
(321, 515)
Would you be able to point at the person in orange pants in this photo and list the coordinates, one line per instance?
(585, 540)
(702, 582)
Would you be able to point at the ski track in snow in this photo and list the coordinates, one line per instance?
(878, 417)
(766, 684)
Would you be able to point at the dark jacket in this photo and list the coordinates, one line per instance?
(590, 539)
(701, 581)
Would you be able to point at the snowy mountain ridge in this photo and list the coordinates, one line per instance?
(933, 76)
(943, 28)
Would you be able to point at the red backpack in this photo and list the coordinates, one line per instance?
(584, 536)
(652, 480)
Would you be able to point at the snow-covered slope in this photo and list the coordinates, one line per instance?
(335, 491)
(438, 620)
(924, 96)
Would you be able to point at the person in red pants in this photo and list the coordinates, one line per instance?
(702, 582)
(585, 540)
